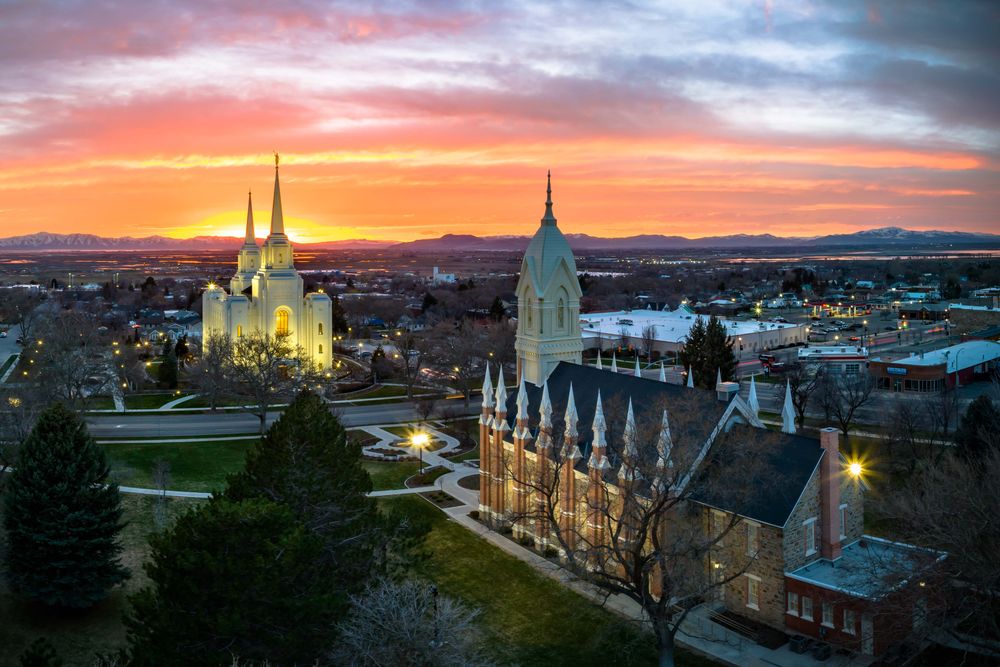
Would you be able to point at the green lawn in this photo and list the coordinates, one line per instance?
(202, 402)
(194, 466)
(468, 456)
(148, 401)
(100, 403)
(388, 474)
(7, 364)
(530, 619)
(77, 636)
(429, 477)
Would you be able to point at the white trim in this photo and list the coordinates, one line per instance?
(842, 517)
(812, 608)
(822, 614)
(790, 609)
(810, 526)
(751, 551)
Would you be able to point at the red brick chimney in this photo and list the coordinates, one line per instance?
(829, 493)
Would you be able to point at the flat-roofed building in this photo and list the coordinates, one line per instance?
(939, 369)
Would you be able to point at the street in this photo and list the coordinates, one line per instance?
(167, 425)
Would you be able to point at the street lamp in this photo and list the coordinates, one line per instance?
(420, 440)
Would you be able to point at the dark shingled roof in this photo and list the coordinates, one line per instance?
(648, 399)
(792, 460)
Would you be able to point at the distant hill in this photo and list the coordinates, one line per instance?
(882, 237)
(885, 236)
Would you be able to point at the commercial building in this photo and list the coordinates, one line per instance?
(939, 369)
(841, 359)
(669, 329)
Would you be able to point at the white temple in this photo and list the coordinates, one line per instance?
(266, 293)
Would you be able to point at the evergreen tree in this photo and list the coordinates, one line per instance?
(41, 653)
(181, 349)
(62, 516)
(233, 579)
(497, 311)
(429, 302)
(167, 373)
(338, 316)
(979, 430)
(708, 351)
(306, 462)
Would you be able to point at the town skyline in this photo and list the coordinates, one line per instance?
(415, 121)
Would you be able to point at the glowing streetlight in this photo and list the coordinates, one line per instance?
(420, 440)
(855, 469)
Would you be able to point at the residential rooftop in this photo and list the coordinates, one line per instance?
(969, 353)
(670, 326)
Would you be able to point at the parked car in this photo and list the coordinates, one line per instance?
(3, 334)
(854, 339)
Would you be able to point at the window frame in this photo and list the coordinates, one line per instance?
(826, 617)
(809, 530)
(753, 545)
(753, 583)
(843, 520)
(852, 628)
(792, 603)
(803, 601)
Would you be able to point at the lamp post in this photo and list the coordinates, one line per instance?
(420, 440)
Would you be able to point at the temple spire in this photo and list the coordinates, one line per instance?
(663, 373)
(488, 389)
(250, 238)
(572, 418)
(277, 219)
(549, 218)
(600, 366)
(614, 362)
(636, 371)
(690, 378)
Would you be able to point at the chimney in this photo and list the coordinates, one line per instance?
(726, 390)
(829, 493)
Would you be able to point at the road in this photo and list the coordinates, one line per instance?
(153, 426)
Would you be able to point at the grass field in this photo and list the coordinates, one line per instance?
(531, 620)
(77, 636)
(389, 475)
(196, 465)
(148, 401)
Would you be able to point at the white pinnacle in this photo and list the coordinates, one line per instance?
(663, 373)
(545, 408)
(788, 410)
(637, 372)
(600, 366)
(718, 376)
(614, 362)
(752, 398)
(665, 444)
(690, 378)
(501, 394)
(487, 389)
(572, 418)
(631, 453)
(522, 402)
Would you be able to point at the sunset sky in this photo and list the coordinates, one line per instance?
(402, 120)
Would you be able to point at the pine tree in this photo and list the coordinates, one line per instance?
(306, 462)
(62, 516)
(719, 350)
(233, 579)
(41, 653)
(338, 318)
(167, 373)
(707, 351)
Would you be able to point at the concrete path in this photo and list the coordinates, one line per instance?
(13, 365)
(145, 441)
(203, 495)
(386, 438)
(169, 405)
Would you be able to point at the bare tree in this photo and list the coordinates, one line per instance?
(953, 505)
(408, 623)
(921, 428)
(20, 306)
(412, 348)
(425, 408)
(648, 340)
(844, 395)
(71, 360)
(209, 375)
(268, 369)
(643, 536)
(803, 382)
(457, 353)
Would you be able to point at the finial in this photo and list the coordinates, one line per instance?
(548, 187)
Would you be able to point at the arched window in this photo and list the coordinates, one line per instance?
(561, 314)
(281, 322)
(239, 331)
(529, 309)
(321, 330)
(321, 348)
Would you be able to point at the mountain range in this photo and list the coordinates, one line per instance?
(881, 237)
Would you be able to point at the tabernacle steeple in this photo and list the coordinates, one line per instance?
(549, 218)
(277, 219)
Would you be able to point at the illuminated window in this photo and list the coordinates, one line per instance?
(753, 538)
(239, 330)
(809, 533)
(321, 348)
(281, 322)
(321, 330)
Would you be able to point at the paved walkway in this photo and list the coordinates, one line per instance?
(387, 438)
(169, 405)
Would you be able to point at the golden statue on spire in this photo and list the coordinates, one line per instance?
(275, 159)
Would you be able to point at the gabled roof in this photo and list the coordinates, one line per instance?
(791, 462)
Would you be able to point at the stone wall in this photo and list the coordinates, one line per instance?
(807, 508)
